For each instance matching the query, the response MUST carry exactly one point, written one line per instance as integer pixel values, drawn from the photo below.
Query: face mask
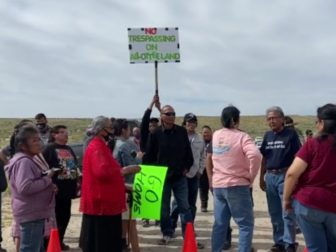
(41, 126)
(108, 136)
(111, 143)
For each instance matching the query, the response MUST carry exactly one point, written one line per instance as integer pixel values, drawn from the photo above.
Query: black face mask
(108, 136)
(111, 143)
(41, 126)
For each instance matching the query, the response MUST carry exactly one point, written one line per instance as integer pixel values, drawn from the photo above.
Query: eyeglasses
(169, 114)
(273, 118)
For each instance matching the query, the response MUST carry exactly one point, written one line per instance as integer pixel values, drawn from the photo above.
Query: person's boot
(204, 206)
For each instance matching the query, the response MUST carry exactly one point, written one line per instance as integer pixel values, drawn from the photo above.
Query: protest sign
(147, 192)
(148, 45)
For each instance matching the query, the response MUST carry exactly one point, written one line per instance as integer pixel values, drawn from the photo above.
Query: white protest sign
(148, 45)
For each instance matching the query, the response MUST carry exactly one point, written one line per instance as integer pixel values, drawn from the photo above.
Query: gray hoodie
(197, 147)
(32, 193)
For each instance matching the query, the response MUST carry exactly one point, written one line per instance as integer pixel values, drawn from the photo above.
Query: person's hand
(154, 100)
(210, 185)
(131, 169)
(140, 155)
(262, 183)
(157, 102)
(287, 205)
(129, 188)
(49, 173)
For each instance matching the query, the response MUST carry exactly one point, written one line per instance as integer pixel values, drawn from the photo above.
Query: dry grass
(254, 125)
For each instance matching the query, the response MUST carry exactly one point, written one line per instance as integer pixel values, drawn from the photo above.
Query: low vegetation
(254, 125)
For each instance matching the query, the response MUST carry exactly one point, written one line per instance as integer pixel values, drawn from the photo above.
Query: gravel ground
(262, 239)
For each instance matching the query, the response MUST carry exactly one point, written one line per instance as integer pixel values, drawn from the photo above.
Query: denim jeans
(193, 184)
(31, 234)
(235, 201)
(283, 222)
(318, 227)
(180, 189)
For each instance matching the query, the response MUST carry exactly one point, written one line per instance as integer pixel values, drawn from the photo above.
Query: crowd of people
(297, 175)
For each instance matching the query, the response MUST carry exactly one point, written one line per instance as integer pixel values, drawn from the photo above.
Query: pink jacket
(236, 159)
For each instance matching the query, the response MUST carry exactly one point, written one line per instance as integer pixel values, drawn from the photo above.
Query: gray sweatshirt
(197, 147)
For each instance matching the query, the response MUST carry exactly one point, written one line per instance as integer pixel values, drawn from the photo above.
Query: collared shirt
(171, 148)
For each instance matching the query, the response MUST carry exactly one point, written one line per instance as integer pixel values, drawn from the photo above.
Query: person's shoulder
(96, 141)
(243, 134)
(22, 158)
(217, 132)
(199, 137)
(48, 147)
(178, 127)
(268, 133)
(290, 131)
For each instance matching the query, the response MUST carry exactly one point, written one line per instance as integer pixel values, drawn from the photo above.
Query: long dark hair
(230, 117)
(327, 113)
(119, 125)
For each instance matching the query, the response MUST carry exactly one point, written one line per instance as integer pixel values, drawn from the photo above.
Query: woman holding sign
(101, 230)
(126, 154)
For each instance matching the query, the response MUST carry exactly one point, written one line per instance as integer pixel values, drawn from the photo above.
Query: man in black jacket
(169, 146)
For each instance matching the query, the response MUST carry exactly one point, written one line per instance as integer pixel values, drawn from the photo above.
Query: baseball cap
(190, 117)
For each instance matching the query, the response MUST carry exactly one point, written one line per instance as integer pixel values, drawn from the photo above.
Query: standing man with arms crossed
(169, 146)
(278, 148)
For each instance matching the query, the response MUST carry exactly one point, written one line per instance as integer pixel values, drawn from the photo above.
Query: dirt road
(262, 239)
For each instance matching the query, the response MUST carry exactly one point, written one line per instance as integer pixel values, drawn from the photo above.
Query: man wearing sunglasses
(169, 146)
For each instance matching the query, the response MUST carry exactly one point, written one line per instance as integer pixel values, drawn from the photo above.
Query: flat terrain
(262, 239)
(254, 125)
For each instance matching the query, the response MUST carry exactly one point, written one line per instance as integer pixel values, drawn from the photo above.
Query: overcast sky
(70, 58)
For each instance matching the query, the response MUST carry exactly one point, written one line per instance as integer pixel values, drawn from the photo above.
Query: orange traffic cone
(189, 244)
(305, 249)
(54, 241)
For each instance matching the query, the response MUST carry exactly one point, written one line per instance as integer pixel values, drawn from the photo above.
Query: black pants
(204, 190)
(63, 214)
(101, 233)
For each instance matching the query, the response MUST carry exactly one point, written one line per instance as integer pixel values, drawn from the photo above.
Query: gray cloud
(70, 58)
